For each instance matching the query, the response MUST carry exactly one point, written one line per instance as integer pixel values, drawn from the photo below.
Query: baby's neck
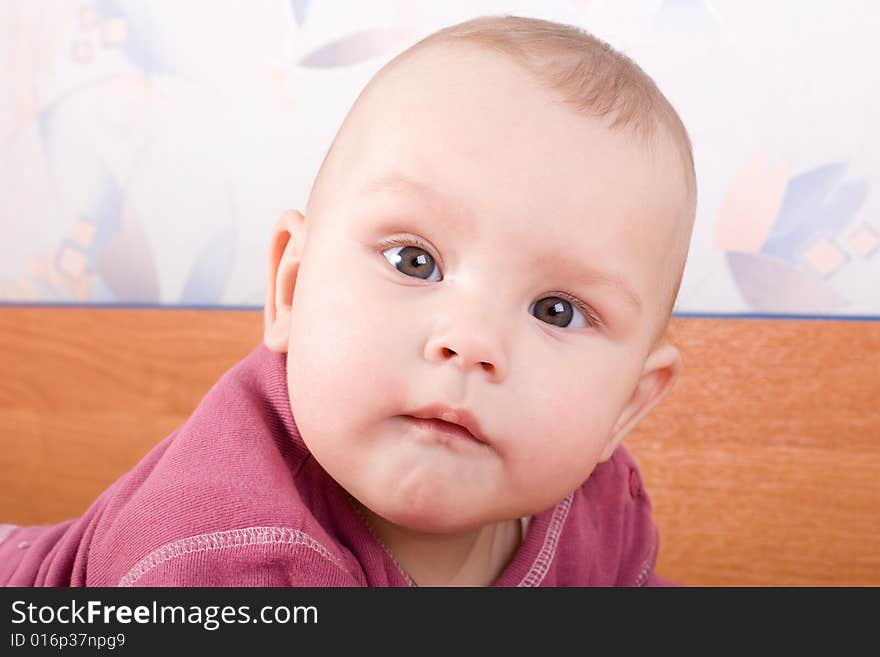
(474, 558)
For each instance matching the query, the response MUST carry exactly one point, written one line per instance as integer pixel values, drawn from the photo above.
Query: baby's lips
(460, 416)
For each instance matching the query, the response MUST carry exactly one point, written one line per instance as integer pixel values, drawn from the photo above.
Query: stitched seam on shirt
(648, 563)
(539, 568)
(6, 530)
(356, 506)
(224, 540)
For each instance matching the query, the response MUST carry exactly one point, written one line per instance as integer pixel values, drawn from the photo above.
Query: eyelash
(415, 241)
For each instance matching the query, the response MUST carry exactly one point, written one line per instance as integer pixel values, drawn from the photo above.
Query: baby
(459, 332)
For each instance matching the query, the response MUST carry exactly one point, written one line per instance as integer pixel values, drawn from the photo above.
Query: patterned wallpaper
(147, 146)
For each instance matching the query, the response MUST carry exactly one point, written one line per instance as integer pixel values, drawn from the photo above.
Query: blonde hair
(589, 75)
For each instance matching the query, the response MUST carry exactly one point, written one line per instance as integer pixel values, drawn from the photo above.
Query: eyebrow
(398, 182)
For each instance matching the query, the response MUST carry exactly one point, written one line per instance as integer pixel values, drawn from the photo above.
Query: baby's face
(479, 245)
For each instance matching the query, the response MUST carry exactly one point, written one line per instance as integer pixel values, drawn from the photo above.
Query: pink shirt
(233, 498)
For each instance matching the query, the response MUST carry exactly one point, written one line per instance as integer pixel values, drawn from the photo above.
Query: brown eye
(413, 261)
(558, 312)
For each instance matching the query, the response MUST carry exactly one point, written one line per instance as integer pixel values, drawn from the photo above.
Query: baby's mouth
(457, 423)
(438, 426)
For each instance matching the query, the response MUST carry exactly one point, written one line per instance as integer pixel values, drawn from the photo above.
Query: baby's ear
(285, 251)
(659, 375)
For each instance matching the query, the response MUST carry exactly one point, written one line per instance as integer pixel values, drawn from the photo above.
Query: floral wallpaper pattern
(147, 146)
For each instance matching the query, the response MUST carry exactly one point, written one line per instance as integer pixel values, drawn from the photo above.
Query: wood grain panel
(87, 392)
(763, 464)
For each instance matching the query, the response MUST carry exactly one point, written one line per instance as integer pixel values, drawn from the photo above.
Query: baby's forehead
(561, 242)
(435, 67)
(446, 136)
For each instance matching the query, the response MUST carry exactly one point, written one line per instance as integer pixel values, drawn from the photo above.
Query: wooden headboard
(763, 463)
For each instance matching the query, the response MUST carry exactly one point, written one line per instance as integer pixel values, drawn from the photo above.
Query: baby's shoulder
(614, 482)
(218, 507)
(225, 500)
(610, 519)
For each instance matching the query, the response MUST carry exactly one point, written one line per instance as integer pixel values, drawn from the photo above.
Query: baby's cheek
(562, 417)
(348, 354)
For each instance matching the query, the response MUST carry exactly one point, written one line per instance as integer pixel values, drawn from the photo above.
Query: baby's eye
(558, 312)
(413, 261)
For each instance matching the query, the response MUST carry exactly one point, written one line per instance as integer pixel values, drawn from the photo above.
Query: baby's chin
(427, 518)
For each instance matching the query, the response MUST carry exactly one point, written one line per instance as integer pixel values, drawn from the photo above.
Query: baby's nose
(470, 351)
(450, 354)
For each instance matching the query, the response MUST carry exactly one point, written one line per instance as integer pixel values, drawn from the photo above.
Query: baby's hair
(591, 75)
(593, 78)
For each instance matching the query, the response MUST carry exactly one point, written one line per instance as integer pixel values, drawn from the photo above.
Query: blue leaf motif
(300, 9)
(355, 48)
(812, 208)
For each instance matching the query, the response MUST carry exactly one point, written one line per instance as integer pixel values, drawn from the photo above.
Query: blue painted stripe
(121, 306)
(850, 318)
(154, 306)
